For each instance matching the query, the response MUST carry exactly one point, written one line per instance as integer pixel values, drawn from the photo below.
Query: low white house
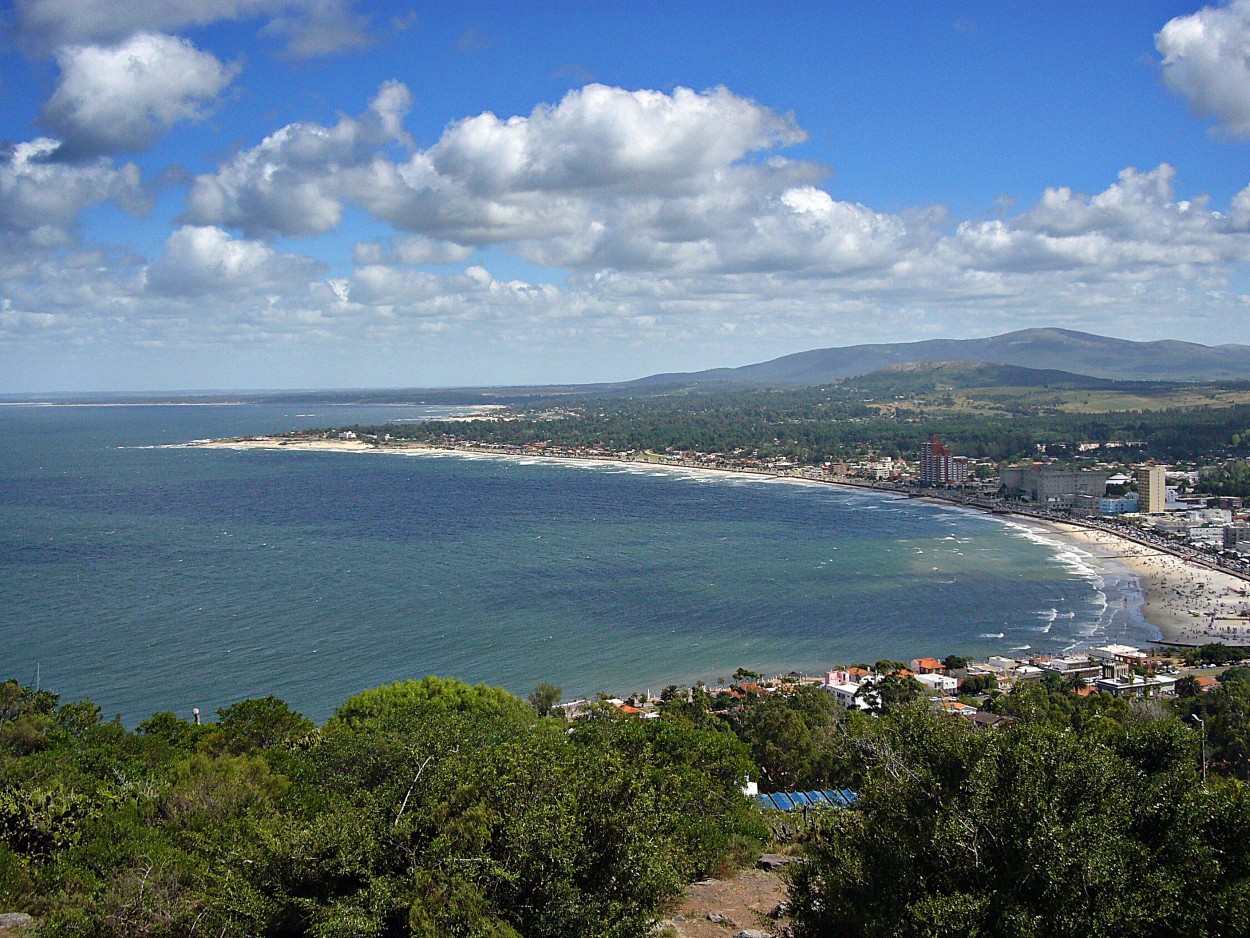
(845, 688)
(1077, 665)
(939, 683)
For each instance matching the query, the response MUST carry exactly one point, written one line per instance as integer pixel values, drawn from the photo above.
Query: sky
(257, 194)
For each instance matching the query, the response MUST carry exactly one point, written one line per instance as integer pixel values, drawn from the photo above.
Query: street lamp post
(1203, 723)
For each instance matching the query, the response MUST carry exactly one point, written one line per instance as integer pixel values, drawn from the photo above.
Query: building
(1075, 666)
(939, 467)
(1134, 685)
(955, 708)
(938, 683)
(1152, 489)
(1125, 654)
(846, 686)
(1237, 537)
(1123, 505)
(1051, 485)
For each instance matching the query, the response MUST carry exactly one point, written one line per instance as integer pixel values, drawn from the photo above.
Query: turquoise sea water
(149, 576)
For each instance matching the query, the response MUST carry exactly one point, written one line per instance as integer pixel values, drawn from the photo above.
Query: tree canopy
(427, 807)
(1026, 831)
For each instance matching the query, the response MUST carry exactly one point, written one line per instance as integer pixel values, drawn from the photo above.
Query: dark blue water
(150, 577)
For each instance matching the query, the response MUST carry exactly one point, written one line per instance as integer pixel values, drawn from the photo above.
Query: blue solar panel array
(797, 800)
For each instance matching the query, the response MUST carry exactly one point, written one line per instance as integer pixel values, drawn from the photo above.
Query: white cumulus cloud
(41, 197)
(682, 232)
(1206, 58)
(203, 261)
(115, 99)
(291, 182)
(604, 177)
(564, 168)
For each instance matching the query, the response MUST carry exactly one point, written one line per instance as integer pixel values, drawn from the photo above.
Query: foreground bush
(1035, 830)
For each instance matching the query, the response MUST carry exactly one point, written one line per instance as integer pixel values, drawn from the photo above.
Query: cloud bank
(646, 219)
(310, 27)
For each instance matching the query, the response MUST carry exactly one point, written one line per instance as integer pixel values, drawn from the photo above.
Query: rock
(779, 910)
(719, 919)
(773, 861)
(751, 933)
(16, 920)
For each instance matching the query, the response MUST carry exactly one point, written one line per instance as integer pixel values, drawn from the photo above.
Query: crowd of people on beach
(1193, 600)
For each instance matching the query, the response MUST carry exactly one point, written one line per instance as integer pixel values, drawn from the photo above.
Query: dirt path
(736, 904)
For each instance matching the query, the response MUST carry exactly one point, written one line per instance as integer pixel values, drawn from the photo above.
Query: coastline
(1188, 603)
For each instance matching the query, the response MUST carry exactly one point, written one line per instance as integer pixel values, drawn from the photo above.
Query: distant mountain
(1056, 349)
(924, 377)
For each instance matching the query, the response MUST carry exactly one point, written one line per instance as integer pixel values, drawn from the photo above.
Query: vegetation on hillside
(433, 808)
(426, 808)
(1028, 831)
(885, 414)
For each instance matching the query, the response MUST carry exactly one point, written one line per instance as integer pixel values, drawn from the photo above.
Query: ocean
(147, 575)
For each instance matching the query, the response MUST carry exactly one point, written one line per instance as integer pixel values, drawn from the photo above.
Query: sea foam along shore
(1188, 603)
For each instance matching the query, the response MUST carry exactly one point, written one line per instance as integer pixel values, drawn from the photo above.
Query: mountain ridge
(1043, 349)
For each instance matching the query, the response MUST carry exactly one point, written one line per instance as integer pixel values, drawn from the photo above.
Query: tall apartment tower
(1151, 489)
(938, 466)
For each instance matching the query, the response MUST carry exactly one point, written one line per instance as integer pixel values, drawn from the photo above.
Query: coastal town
(957, 686)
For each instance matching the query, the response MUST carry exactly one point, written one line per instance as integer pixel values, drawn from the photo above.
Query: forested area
(435, 808)
(1230, 478)
(836, 422)
(426, 808)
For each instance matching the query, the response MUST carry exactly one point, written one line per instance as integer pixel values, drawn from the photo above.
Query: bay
(151, 576)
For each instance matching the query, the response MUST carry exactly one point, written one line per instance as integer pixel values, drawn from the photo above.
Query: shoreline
(1190, 604)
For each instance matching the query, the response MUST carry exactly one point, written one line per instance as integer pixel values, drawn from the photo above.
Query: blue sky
(337, 193)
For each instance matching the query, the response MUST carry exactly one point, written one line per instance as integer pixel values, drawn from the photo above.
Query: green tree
(17, 700)
(173, 730)
(978, 684)
(544, 698)
(792, 737)
(454, 909)
(262, 723)
(414, 699)
(891, 691)
(1188, 686)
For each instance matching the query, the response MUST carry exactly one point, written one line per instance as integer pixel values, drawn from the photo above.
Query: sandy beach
(358, 446)
(1190, 604)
